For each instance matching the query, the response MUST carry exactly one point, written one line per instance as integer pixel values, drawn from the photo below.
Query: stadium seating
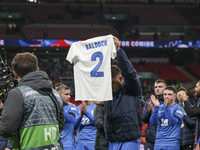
(67, 33)
(194, 68)
(163, 70)
(191, 14)
(197, 31)
(4, 35)
(169, 37)
(153, 15)
(50, 14)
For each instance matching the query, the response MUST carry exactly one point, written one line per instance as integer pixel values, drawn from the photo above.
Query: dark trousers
(190, 147)
(149, 146)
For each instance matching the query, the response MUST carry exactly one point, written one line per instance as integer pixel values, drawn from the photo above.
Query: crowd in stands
(91, 14)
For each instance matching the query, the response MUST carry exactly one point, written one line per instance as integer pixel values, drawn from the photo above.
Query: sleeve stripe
(177, 117)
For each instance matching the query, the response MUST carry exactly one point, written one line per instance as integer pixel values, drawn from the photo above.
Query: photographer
(32, 115)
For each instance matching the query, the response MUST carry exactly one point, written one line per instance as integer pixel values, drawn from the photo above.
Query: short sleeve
(71, 53)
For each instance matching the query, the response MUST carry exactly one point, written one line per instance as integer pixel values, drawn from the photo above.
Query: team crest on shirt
(180, 112)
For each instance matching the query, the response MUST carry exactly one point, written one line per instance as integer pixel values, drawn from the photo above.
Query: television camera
(7, 80)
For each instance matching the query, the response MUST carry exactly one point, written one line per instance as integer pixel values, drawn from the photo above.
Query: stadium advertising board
(123, 43)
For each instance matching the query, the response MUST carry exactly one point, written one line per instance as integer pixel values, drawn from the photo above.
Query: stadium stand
(191, 14)
(67, 33)
(164, 70)
(194, 68)
(153, 15)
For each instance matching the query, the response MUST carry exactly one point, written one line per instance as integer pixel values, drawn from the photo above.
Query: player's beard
(119, 86)
(197, 94)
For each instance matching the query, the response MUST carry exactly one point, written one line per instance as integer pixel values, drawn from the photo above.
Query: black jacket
(122, 114)
(12, 113)
(193, 112)
(101, 143)
(187, 131)
(150, 132)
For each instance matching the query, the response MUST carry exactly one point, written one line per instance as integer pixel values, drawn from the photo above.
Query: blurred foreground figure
(32, 114)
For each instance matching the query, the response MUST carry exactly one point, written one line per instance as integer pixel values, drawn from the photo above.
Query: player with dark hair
(150, 132)
(67, 135)
(168, 117)
(122, 122)
(188, 125)
(193, 111)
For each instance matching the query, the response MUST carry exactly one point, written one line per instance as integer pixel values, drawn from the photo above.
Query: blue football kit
(132, 145)
(67, 135)
(86, 129)
(169, 121)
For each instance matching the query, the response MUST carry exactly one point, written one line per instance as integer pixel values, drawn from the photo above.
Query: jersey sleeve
(173, 117)
(71, 53)
(114, 53)
(179, 113)
(154, 117)
(73, 109)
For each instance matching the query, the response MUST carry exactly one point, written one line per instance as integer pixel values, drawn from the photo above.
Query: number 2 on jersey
(94, 72)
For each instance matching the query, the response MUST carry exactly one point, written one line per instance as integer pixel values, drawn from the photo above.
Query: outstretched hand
(154, 100)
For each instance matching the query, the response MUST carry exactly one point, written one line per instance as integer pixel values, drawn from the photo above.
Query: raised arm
(146, 114)
(154, 117)
(90, 117)
(129, 73)
(191, 111)
(83, 109)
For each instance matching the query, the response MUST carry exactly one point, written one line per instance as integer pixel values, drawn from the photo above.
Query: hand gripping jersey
(92, 68)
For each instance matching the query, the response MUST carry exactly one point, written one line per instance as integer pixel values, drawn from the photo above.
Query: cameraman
(33, 112)
(4, 143)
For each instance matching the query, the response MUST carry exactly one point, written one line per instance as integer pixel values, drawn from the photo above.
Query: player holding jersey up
(67, 135)
(168, 117)
(86, 126)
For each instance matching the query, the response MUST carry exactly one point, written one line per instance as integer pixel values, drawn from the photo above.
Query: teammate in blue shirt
(86, 126)
(168, 117)
(67, 135)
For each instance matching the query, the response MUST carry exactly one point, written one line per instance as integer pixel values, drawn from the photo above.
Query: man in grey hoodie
(32, 115)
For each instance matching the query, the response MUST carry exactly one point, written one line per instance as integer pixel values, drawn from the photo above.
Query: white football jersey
(92, 68)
